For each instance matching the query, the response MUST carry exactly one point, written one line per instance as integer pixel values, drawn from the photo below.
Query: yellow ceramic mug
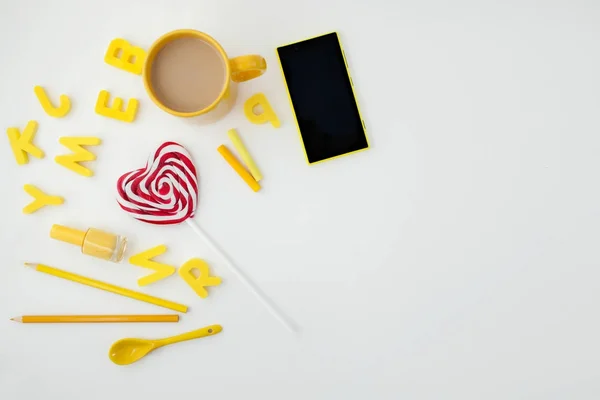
(188, 74)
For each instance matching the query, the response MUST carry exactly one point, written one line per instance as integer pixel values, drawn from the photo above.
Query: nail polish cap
(68, 235)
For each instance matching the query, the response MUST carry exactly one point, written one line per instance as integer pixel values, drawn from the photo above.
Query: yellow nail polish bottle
(94, 242)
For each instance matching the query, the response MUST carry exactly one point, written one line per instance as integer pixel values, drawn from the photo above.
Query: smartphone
(322, 96)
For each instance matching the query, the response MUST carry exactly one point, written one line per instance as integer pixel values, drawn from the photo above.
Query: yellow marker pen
(244, 154)
(238, 167)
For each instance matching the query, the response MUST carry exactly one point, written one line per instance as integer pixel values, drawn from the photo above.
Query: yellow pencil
(244, 154)
(238, 167)
(47, 319)
(108, 287)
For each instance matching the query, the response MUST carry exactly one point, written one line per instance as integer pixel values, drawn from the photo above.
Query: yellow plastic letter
(71, 161)
(115, 111)
(144, 259)
(268, 115)
(41, 199)
(57, 112)
(21, 143)
(123, 55)
(203, 279)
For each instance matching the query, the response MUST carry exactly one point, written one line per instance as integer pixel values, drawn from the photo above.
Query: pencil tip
(28, 264)
(16, 319)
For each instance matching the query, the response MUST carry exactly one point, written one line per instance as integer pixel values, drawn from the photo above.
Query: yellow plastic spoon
(128, 351)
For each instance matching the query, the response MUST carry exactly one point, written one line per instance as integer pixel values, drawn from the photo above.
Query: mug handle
(244, 68)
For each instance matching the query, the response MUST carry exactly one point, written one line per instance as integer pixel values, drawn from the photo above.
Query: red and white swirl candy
(165, 191)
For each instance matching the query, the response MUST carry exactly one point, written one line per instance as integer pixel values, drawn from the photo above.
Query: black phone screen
(321, 93)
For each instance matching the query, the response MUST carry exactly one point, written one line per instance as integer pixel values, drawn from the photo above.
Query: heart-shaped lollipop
(165, 191)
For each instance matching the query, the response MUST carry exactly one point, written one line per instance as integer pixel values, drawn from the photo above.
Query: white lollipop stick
(242, 277)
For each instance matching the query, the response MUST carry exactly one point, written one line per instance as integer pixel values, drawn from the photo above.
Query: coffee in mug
(187, 73)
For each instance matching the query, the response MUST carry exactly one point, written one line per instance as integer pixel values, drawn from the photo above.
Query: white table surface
(456, 259)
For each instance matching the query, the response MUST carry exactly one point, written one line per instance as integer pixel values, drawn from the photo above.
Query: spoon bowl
(129, 350)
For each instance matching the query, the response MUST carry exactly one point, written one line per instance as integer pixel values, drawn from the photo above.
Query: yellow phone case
(353, 94)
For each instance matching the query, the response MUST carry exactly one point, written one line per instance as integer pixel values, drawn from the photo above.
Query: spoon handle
(199, 333)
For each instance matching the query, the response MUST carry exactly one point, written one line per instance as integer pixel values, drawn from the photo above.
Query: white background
(456, 259)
